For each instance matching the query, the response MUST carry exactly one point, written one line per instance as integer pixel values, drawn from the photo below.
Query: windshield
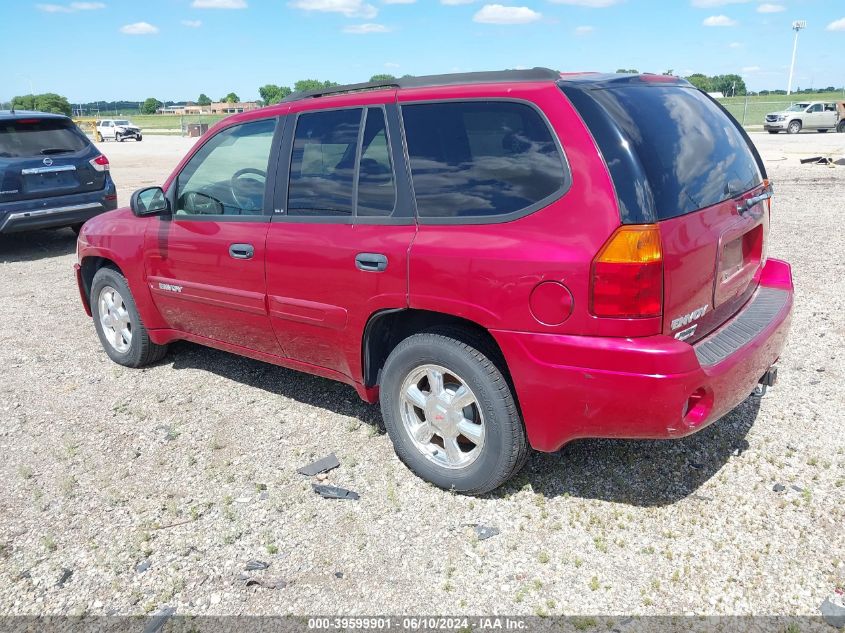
(797, 107)
(39, 137)
(122, 122)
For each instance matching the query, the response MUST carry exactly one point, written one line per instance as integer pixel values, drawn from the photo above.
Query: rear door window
(692, 153)
(20, 138)
(481, 158)
(322, 169)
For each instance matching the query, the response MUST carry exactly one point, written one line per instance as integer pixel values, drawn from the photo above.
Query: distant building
(220, 107)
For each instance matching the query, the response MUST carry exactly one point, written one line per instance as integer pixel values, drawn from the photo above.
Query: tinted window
(376, 191)
(323, 163)
(480, 158)
(693, 154)
(39, 137)
(227, 175)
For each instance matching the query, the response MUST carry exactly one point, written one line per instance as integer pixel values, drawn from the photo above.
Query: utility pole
(797, 26)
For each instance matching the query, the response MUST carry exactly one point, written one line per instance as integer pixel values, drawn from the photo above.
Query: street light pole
(797, 25)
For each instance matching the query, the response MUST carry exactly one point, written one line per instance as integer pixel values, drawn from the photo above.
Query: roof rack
(496, 76)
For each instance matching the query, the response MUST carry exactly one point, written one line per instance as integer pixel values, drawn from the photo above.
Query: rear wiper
(57, 150)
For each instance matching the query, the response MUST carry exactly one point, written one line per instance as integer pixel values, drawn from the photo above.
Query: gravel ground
(155, 487)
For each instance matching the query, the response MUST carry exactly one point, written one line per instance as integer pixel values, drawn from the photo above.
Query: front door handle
(371, 262)
(241, 251)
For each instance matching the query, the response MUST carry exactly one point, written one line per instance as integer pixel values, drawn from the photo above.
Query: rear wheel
(450, 413)
(118, 324)
(841, 127)
(794, 127)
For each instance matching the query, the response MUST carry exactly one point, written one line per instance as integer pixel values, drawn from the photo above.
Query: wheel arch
(385, 329)
(88, 268)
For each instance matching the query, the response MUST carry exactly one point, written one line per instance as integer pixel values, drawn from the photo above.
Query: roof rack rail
(496, 76)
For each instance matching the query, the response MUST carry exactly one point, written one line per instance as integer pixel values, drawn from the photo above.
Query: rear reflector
(627, 274)
(101, 163)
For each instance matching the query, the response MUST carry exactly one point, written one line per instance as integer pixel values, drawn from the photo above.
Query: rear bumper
(654, 387)
(57, 211)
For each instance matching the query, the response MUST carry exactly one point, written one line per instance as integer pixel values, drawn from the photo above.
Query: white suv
(117, 130)
(813, 115)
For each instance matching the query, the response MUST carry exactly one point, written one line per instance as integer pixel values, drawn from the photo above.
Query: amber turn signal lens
(633, 244)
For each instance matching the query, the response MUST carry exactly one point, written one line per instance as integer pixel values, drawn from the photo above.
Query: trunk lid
(680, 161)
(42, 157)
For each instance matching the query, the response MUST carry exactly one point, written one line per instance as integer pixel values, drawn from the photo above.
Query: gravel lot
(155, 487)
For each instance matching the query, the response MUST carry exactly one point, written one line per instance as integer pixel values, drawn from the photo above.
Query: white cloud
(751, 69)
(365, 29)
(719, 20)
(139, 28)
(399, 1)
(192, 24)
(456, 1)
(768, 7)
(836, 25)
(219, 4)
(70, 8)
(500, 14)
(348, 8)
(584, 30)
(593, 4)
(709, 4)
(391, 65)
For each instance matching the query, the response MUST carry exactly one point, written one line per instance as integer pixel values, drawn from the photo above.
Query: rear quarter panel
(486, 272)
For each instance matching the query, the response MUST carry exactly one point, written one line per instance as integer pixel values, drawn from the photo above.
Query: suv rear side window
(323, 163)
(693, 154)
(480, 158)
(39, 137)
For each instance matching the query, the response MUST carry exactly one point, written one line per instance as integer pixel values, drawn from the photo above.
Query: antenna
(797, 26)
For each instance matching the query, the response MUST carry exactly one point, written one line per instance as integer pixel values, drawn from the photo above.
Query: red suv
(504, 260)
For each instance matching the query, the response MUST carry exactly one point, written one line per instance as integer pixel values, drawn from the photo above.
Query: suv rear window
(39, 137)
(693, 154)
(484, 158)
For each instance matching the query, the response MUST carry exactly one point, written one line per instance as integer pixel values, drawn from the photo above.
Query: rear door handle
(371, 262)
(241, 251)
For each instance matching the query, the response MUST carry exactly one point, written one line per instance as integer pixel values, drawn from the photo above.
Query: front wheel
(450, 412)
(138, 138)
(118, 323)
(794, 127)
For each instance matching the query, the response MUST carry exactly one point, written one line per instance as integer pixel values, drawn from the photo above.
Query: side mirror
(150, 201)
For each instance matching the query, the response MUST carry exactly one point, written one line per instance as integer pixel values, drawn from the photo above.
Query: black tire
(142, 351)
(794, 127)
(841, 127)
(504, 450)
(138, 138)
(773, 131)
(118, 138)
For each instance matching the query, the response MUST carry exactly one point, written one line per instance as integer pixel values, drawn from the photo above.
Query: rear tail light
(627, 274)
(101, 163)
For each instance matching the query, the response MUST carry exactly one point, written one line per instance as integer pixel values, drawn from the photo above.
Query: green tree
(702, 82)
(729, 85)
(304, 85)
(231, 98)
(382, 77)
(203, 100)
(47, 102)
(150, 105)
(271, 93)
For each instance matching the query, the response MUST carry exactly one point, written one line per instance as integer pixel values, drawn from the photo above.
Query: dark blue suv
(51, 175)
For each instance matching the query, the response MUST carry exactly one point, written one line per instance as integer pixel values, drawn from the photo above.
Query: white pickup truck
(809, 115)
(117, 130)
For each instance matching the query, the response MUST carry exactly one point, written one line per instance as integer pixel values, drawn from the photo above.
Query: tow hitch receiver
(769, 379)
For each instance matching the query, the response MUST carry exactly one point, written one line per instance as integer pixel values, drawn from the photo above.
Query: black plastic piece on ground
(333, 492)
(322, 465)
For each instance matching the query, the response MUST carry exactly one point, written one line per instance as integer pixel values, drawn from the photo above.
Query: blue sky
(176, 49)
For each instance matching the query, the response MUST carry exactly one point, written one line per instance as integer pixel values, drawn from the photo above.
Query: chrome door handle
(371, 262)
(241, 251)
